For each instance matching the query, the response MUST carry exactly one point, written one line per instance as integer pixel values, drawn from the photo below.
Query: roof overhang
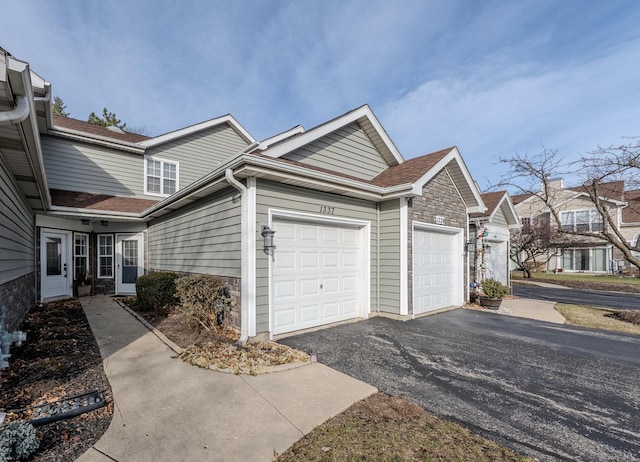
(461, 177)
(171, 136)
(21, 149)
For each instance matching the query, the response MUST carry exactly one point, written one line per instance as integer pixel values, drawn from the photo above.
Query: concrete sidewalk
(532, 309)
(165, 409)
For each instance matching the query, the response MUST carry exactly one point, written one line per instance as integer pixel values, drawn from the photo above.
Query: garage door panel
(331, 311)
(309, 313)
(285, 289)
(309, 260)
(309, 287)
(331, 259)
(323, 263)
(286, 260)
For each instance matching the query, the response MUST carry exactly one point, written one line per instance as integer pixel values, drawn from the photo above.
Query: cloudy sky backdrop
(491, 77)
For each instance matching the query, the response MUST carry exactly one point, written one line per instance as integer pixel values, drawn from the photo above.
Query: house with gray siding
(358, 229)
(490, 233)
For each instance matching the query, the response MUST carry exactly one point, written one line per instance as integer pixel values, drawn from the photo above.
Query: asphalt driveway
(554, 392)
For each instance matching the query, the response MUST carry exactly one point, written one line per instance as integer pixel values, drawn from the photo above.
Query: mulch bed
(60, 359)
(628, 316)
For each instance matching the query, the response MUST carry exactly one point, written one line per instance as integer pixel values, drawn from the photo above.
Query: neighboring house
(577, 212)
(489, 233)
(358, 229)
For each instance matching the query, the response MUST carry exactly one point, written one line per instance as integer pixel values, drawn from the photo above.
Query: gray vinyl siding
(347, 150)
(204, 237)
(75, 166)
(290, 198)
(17, 242)
(390, 256)
(201, 152)
(499, 218)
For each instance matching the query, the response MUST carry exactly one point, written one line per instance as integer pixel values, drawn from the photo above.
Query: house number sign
(439, 220)
(327, 210)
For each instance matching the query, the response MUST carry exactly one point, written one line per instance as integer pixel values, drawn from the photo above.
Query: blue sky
(491, 77)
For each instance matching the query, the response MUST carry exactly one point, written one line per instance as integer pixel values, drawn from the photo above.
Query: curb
(261, 370)
(176, 349)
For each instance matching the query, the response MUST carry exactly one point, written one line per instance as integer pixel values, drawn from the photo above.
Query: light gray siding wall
(499, 218)
(17, 250)
(201, 152)
(75, 166)
(283, 197)
(390, 256)
(204, 237)
(347, 150)
(17, 243)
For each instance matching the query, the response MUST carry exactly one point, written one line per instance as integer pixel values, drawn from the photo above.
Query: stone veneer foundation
(18, 296)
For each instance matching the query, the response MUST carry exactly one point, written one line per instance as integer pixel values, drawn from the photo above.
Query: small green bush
(204, 299)
(18, 440)
(493, 288)
(155, 290)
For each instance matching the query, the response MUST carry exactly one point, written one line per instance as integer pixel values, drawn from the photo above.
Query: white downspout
(17, 114)
(244, 276)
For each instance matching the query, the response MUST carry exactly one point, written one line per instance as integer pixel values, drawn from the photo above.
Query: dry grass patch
(597, 318)
(386, 428)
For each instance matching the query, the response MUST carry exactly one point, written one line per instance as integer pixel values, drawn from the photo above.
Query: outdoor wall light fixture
(471, 246)
(487, 249)
(267, 234)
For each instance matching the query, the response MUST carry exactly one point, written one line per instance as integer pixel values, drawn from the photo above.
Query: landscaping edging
(178, 350)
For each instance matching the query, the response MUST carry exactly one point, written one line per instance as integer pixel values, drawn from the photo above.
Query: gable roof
(363, 116)
(68, 123)
(611, 190)
(496, 201)
(420, 170)
(410, 170)
(174, 135)
(631, 213)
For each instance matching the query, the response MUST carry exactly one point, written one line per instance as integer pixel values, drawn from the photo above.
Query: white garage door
(436, 270)
(316, 276)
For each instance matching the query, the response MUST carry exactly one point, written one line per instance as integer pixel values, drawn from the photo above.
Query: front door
(129, 262)
(56, 273)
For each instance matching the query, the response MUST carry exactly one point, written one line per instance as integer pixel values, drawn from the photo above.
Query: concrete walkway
(165, 409)
(532, 309)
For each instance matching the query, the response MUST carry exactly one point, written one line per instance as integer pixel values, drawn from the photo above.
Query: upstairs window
(581, 221)
(161, 176)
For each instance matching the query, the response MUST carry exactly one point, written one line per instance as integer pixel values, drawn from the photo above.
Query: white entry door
(129, 263)
(437, 270)
(317, 275)
(56, 270)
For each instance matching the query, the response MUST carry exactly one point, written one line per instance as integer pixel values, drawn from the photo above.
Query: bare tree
(533, 175)
(534, 244)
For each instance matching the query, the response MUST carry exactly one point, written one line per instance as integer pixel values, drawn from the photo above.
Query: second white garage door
(437, 272)
(316, 276)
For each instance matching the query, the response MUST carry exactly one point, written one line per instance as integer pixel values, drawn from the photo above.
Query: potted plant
(83, 283)
(492, 293)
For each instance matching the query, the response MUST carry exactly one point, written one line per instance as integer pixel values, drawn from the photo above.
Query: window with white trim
(584, 259)
(581, 221)
(80, 256)
(161, 176)
(105, 255)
